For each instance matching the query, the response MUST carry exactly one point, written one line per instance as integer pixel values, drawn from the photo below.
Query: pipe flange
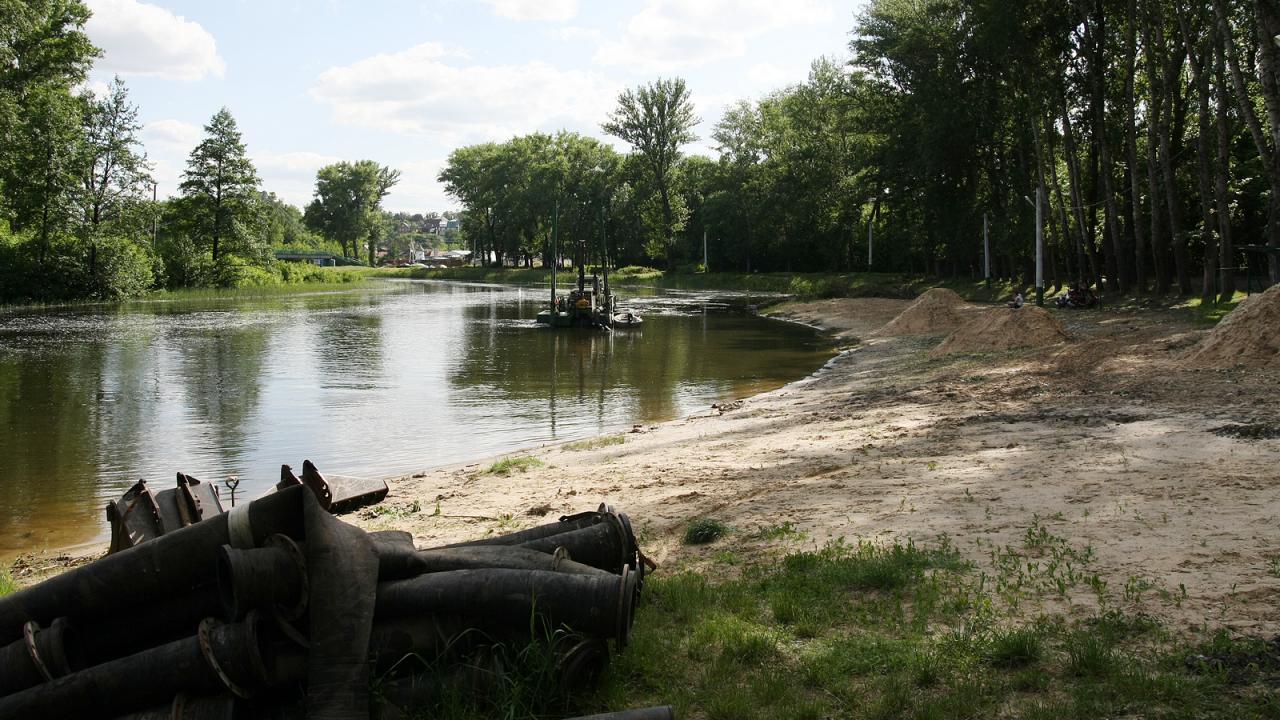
(29, 631)
(300, 560)
(560, 555)
(626, 591)
(205, 635)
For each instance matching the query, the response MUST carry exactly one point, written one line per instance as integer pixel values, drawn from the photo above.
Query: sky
(404, 83)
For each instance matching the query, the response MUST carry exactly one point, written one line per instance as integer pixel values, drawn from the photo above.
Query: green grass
(7, 583)
(873, 632)
(704, 530)
(595, 443)
(901, 631)
(506, 466)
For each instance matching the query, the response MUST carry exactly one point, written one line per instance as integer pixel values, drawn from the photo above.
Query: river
(385, 379)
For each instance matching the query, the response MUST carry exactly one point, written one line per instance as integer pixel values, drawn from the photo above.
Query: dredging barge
(589, 305)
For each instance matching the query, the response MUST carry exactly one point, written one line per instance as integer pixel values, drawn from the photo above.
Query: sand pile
(934, 313)
(1005, 329)
(1249, 335)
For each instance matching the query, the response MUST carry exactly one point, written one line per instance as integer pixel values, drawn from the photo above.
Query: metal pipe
(41, 655)
(596, 606)
(174, 563)
(568, 523)
(271, 577)
(221, 656)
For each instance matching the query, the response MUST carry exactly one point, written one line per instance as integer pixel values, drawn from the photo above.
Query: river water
(389, 378)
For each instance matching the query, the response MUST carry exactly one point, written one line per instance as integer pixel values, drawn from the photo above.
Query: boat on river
(588, 305)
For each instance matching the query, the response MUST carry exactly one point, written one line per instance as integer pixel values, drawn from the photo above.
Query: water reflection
(376, 381)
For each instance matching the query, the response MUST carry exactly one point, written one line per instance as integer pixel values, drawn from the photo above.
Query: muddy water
(382, 380)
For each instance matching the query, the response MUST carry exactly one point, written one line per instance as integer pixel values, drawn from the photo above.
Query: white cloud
(540, 10)
(143, 39)
(168, 143)
(421, 91)
(181, 135)
(672, 35)
(418, 190)
(291, 175)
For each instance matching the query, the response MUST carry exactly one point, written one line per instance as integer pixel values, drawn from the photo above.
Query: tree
(222, 186)
(115, 175)
(44, 53)
(657, 119)
(346, 204)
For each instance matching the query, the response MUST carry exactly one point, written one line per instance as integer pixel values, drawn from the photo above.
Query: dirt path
(1164, 482)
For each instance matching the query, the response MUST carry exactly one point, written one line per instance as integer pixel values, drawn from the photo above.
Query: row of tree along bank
(79, 215)
(1150, 128)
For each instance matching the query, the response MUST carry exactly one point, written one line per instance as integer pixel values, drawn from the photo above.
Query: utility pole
(705, 268)
(555, 252)
(986, 250)
(1040, 245)
(871, 224)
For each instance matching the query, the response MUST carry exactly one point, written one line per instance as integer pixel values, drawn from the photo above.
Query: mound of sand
(1004, 329)
(934, 313)
(1249, 335)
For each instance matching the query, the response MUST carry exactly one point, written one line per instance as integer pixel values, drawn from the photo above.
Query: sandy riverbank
(1106, 442)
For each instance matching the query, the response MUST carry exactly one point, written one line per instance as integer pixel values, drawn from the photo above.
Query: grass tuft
(506, 466)
(1013, 649)
(704, 530)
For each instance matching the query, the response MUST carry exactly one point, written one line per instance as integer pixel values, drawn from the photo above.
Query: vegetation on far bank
(819, 286)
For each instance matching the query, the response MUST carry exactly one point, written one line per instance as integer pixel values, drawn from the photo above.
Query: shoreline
(1102, 463)
(1102, 453)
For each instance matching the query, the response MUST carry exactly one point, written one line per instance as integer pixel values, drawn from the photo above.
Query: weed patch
(506, 466)
(704, 530)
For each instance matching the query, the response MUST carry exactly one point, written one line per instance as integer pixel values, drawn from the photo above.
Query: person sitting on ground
(1017, 301)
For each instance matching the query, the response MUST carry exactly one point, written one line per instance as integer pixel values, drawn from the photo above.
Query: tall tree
(347, 202)
(44, 54)
(657, 120)
(222, 186)
(115, 175)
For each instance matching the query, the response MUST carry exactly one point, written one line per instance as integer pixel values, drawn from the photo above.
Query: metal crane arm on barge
(586, 306)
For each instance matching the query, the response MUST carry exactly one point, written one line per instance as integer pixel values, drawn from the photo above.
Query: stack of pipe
(279, 610)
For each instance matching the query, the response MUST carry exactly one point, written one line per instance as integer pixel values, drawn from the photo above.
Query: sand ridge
(1248, 335)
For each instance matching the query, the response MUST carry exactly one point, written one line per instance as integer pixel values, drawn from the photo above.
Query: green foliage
(1015, 648)
(506, 466)
(221, 187)
(7, 584)
(913, 637)
(704, 530)
(346, 204)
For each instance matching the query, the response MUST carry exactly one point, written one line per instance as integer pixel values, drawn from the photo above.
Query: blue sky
(404, 83)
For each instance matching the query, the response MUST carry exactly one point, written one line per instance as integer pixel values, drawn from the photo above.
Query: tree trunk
(1139, 274)
(1226, 253)
(1115, 261)
(1155, 112)
(1077, 196)
(1197, 60)
(1268, 16)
